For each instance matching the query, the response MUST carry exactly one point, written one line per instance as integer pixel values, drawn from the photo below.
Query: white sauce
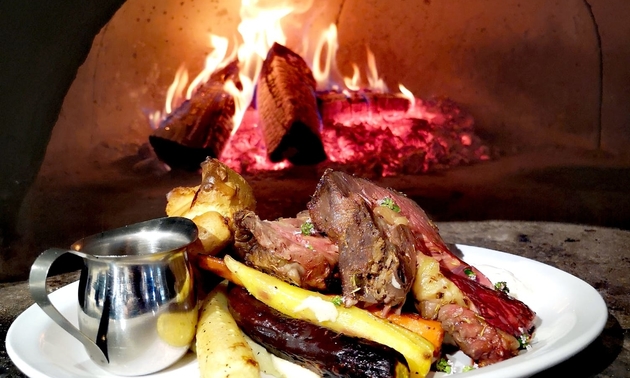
(323, 310)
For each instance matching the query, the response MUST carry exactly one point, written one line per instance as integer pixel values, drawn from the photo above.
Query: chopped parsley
(337, 301)
(443, 365)
(469, 272)
(389, 203)
(307, 228)
(502, 286)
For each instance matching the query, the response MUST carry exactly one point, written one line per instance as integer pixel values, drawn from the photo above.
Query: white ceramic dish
(570, 314)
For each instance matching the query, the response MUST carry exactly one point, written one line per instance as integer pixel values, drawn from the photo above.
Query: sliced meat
(281, 249)
(376, 248)
(427, 237)
(497, 308)
(501, 311)
(479, 340)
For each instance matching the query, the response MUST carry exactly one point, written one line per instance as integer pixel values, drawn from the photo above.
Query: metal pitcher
(137, 302)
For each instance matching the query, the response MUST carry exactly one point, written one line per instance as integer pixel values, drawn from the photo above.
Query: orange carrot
(429, 329)
(217, 266)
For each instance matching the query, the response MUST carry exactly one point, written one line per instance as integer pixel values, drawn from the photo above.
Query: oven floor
(551, 185)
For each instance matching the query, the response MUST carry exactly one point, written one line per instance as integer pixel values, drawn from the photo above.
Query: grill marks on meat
(484, 344)
(279, 248)
(376, 253)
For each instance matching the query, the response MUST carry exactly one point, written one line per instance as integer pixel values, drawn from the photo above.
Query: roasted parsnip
(222, 350)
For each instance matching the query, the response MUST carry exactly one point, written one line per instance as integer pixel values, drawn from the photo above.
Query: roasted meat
(502, 311)
(343, 207)
(376, 246)
(283, 249)
(483, 343)
(496, 307)
(426, 235)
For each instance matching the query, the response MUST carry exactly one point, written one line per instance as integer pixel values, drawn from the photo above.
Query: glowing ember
(364, 127)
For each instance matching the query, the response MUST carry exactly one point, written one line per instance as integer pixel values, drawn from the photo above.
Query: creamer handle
(39, 292)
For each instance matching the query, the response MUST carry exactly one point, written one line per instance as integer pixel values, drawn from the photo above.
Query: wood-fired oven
(545, 85)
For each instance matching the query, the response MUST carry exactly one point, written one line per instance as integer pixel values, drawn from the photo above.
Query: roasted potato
(432, 290)
(213, 203)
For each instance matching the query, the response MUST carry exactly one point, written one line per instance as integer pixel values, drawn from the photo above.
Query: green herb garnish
(390, 204)
(502, 286)
(307, 228)
(469, 272)
(337, 301)
(467, 368)
(443, 365)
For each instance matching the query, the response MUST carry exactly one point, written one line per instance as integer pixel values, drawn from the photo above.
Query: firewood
(288, 108)
(359, 106)
(199, 127)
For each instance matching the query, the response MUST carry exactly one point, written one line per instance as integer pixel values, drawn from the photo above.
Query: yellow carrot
(318, 308)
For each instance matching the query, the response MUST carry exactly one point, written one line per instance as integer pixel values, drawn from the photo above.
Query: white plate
(570, 314)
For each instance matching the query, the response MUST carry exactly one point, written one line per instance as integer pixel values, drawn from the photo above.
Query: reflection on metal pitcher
(137, 299)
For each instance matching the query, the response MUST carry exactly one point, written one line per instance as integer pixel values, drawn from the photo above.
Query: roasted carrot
(429, 329)
(217, 266)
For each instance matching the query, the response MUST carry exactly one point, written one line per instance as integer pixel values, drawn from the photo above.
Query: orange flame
(260, 28)
(376, 83)
(215, 60)
(175, 90)
(353, 82)
(406, 93)
(329, 41)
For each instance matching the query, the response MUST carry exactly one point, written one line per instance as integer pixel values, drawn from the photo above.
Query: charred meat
(287, 248)
(376, 246)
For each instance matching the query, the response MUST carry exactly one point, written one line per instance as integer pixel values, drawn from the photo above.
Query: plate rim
(543, 361)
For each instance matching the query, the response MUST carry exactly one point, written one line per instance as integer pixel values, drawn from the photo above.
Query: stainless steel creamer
(137, 302)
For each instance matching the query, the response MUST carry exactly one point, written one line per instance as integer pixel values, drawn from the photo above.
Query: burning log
(199, 127)
(287, 108)
(360, 106)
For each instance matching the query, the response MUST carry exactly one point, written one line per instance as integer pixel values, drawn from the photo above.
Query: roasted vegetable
(318, 309)
(222, 350)
(212, 204)
(429, 329)
(316, 348)
(432, 290)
